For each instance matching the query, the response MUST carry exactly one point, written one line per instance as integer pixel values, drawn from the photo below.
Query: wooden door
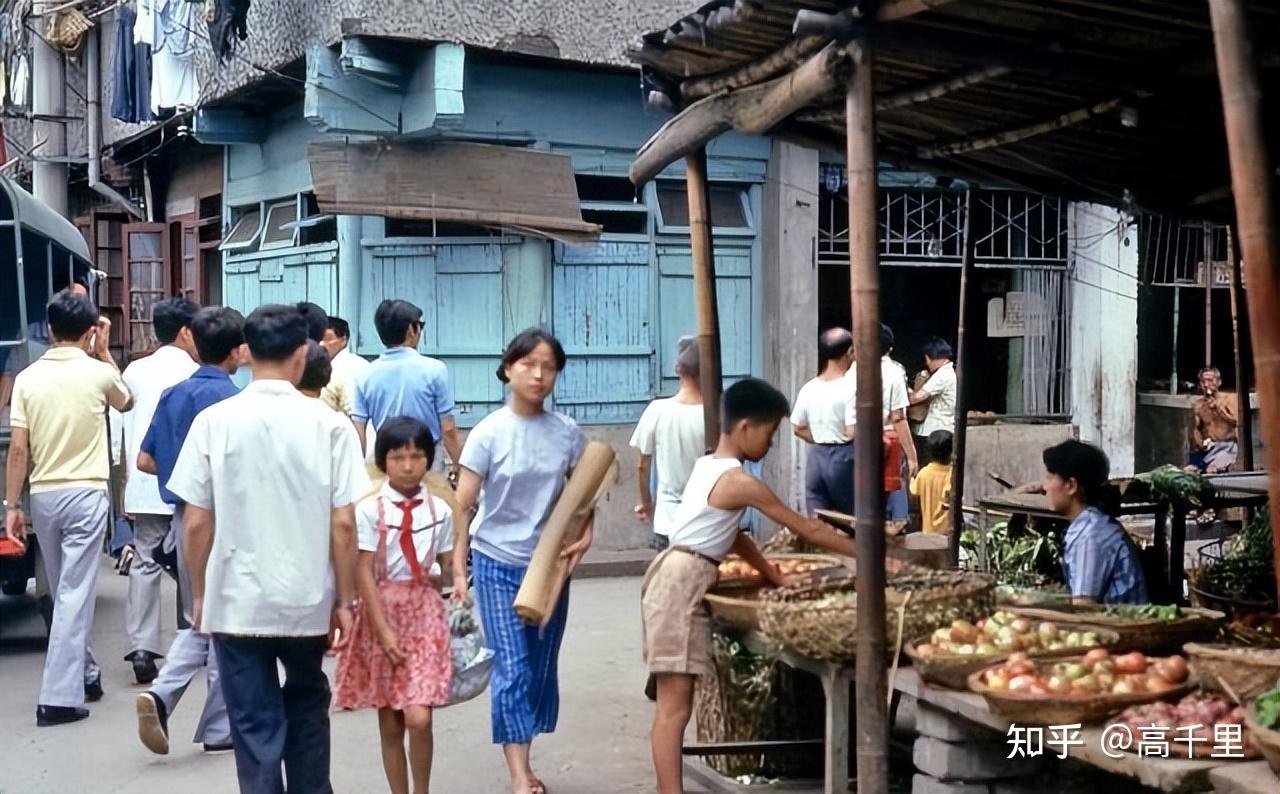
(144, 255)
(108, 256)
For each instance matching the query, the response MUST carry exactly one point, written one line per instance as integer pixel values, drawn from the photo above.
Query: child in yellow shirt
(933, 485)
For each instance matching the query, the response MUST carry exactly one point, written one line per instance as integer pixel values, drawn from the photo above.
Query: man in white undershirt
(818, 418)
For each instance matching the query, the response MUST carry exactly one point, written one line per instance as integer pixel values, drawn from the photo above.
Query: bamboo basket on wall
(1242, 673)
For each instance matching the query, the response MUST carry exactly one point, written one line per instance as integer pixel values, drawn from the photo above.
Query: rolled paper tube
(544, 578)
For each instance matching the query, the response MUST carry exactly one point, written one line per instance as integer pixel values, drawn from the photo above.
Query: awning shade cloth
(450, 181)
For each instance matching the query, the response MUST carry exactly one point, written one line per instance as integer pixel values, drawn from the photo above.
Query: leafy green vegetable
(1269, 709)
(1144, 611)
(1020, 558)
(1247, 567)
(1181, 487)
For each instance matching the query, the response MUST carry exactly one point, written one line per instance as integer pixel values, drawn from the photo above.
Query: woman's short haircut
(217, 330)
(318, 371)
(937, 348)
(525, 343)
(170, 316)
(70, 316)
(1084, 463)
(754, 400)
(392, 320)
(399, 432)
(687, 360)
(274, 332)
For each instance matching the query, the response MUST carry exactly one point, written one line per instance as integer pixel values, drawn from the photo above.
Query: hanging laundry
(228, 22)
(131, 72)
(173, 63)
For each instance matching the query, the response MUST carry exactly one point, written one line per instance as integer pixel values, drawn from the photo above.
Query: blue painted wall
(618, 304)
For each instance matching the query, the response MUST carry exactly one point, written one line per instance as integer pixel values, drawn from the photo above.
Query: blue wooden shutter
(678, 316)
(600, 295)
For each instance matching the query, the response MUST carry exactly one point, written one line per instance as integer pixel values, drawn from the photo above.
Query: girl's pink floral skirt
(365, 676)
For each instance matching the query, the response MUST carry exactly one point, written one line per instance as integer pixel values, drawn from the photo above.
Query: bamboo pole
(1208, 294)
(704, 292)
(1239, 338)
(870, 674)
(961, 431)
(1255, 219)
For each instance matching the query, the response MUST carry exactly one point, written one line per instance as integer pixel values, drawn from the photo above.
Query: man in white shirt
(938, 392)
(147, 378)
(893, 390)
(269, 479)
(672, 432)
(818, 418)
(347, 366)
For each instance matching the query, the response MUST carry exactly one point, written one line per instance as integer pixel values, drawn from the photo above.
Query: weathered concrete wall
(790, 223)
(1104, 332)
(1012, 451)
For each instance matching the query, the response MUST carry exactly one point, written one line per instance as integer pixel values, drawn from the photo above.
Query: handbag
(472, 659)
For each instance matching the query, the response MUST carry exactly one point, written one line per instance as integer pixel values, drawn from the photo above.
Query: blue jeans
(278, 731)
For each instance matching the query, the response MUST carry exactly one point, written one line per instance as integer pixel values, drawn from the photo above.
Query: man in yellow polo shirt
(59, 428)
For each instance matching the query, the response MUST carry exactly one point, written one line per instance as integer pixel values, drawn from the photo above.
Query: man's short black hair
(393, 318)
(937, 348)
(1084, 463)
(218, 331)
(754, 400)
(70, 315)
(316, 318)
(340, 327)
(318, 371)
(399, 432)
(833, 343)
(886, 339)
(940, 442)
(170, 316)
(274, 332)
(525, 343)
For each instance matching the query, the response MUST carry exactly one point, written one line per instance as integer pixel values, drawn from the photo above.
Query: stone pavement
(601, 745)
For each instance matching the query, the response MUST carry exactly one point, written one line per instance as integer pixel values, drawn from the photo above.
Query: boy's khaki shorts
(677, 625)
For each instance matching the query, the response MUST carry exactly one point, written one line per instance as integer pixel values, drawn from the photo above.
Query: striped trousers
(524, 690)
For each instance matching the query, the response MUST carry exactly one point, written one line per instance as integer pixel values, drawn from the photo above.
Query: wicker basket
(737, 609)
(1148, 636)
(953, 670)
(1039, 710)
(1266, 740)
(831, 566)
(820, 621)
(1242, 673)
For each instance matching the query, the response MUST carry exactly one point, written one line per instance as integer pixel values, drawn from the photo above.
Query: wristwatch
(7, 505)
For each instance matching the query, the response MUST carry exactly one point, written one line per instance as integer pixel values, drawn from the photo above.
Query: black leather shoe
(219, 748)
(153, 723)
(93, 689)
(47, 716)
(144, 667)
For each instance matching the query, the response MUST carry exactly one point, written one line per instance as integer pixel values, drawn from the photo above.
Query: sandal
(536, 786)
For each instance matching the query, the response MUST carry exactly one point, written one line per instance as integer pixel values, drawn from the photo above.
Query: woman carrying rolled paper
(514, 466)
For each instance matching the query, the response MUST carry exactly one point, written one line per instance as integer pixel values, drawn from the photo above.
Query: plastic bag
(472, 660)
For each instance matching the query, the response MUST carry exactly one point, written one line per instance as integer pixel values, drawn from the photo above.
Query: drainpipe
(93, 121)
(49, 127)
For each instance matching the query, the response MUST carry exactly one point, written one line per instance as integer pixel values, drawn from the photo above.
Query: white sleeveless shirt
(698, 526)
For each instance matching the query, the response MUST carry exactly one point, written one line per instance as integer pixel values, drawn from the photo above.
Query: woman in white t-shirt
(514, 466)
(672, 433)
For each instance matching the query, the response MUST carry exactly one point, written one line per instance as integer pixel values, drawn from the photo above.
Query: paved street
(601, 746)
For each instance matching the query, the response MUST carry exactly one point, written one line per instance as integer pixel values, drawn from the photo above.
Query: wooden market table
(1173, 775)
(1170, 524)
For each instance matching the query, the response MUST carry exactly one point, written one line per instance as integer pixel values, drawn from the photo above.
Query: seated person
(1099, 560)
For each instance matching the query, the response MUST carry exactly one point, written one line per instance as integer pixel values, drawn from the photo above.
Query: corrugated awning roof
(1082, 98)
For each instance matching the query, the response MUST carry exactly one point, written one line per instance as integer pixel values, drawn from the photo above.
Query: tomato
(1133, 662)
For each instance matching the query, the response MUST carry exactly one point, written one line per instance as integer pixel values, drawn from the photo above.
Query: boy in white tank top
(677, 626)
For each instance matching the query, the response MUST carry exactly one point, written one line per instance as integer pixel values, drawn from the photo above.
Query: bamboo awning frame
(734, 64)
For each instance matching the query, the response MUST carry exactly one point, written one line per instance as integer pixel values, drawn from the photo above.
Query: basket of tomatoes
(1082, 689)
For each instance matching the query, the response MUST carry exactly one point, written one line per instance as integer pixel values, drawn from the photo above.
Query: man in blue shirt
(403, 383)
(219, 338)
(1100, 561)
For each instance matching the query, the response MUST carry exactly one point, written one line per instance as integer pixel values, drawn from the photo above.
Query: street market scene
(483, 398)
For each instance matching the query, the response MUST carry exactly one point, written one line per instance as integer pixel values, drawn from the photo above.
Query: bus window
(10, 323)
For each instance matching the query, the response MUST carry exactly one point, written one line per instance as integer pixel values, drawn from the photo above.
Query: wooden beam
(753, 110)
(704, 293)
(771, 65)
(1255, 218)
(864, 277)
(901, 9)
(1006, 137)
(933, 89)
(1239, 340)
(960, 433)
